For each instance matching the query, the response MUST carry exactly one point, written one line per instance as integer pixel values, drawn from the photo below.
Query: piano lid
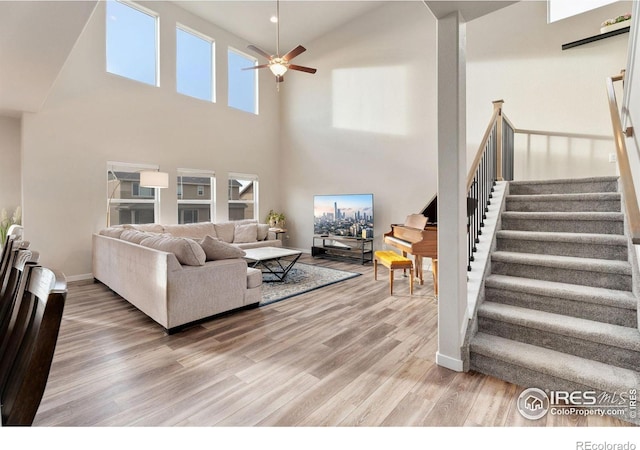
(431, 210)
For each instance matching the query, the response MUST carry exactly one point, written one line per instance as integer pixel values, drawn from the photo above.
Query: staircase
(558, 310)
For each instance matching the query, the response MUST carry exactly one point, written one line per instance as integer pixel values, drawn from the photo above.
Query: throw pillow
(225, 230)
(135, 236)
(113, 232)
(216, 249)
(191, 230)
(263, 231)
(246, 233)
(187, 251)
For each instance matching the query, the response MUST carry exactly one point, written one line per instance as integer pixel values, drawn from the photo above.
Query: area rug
(302, 278)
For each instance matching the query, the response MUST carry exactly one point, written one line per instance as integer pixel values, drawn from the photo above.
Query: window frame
(118, 166)
(156, 18)
(212, 44)
(183, 172)
(256, 91)
(256, 185)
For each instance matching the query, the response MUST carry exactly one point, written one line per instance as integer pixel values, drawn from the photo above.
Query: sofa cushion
(263, 231)
(187, 251)
(150, 227)
(113, 232)
(254, 278)
(246, 233)
(135, 236)
(225, 231)
(216, 249)
(191, 230)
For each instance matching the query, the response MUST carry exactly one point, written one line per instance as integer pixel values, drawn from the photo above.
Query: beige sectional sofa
(181, 274)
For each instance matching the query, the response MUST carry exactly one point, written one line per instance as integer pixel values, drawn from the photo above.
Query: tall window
(132, 38)
(196, 196)
(243, 84)
(243, 196)
(195, 64)
(127, 201)
(561, 9)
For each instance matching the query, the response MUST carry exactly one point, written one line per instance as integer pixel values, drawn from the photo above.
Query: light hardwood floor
(344, 355)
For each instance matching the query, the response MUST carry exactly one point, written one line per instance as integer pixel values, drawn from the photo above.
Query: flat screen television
(347, 215)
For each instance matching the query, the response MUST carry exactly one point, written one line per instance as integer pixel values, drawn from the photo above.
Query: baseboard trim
(81, 277)
(449, 362)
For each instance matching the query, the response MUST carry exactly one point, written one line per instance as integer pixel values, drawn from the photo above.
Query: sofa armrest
(198, 292)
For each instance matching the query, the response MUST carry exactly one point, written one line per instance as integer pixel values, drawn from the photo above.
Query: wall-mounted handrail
(626, 177)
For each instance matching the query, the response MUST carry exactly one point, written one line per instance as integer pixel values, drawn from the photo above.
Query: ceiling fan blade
(259, 51)
(293, 53)
(261, 66)
(302, 68)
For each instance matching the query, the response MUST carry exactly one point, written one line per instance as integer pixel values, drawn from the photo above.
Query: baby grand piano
(418, 236)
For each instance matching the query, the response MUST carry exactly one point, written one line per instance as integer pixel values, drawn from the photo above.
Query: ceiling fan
(279, 64)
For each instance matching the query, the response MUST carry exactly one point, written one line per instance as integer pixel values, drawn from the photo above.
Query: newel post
(497, 105)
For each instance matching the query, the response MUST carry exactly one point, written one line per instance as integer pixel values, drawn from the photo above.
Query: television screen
(349, 215)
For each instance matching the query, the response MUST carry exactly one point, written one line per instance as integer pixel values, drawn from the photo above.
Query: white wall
(92, 117)
(514, 55)
(10, 180)
(366, 121)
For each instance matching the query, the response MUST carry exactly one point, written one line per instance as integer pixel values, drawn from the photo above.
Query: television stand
(355, 249)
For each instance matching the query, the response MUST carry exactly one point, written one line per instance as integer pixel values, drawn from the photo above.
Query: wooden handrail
(497, 111)
(626, 178)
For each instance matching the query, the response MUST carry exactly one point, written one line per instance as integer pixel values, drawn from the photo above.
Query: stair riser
(526, 378)
(611, 252)
(563, 226)
(591, 311)
(564, 206)
(595, 351)
(564, 188)
(572, 276)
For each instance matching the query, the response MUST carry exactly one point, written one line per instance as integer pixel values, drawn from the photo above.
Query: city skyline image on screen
(343, 215)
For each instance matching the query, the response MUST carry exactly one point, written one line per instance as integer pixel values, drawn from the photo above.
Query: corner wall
(10, 180)
(365, 122)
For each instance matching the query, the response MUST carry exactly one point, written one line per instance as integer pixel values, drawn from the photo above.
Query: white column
(452, 220)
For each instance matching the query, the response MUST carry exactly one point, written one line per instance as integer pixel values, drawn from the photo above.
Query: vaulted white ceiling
(36, 37)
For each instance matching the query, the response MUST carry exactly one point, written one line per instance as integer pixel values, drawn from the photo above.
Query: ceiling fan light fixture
(278, 69)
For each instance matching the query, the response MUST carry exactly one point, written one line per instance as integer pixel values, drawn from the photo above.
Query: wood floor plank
(347, 354)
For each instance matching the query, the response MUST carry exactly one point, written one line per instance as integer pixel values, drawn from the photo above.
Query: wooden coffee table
(275, 262)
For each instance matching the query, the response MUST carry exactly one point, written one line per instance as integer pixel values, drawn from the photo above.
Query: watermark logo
(533, 403)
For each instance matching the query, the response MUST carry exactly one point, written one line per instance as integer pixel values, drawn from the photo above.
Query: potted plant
(615, 24)
(6, 222)
(275, 219)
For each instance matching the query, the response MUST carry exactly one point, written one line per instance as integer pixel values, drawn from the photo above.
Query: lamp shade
(154, 179)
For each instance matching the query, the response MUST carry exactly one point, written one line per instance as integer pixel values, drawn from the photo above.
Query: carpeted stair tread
(554, 236)
(578, 185)
(564, 262)
(576, 292)
(588, 330)
(556, 364)
(587, 196)
(561, 215)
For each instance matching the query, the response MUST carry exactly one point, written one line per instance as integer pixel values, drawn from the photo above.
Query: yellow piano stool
(392, 261)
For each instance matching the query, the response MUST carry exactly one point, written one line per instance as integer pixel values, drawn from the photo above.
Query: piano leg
(418, 270)
(434, 269)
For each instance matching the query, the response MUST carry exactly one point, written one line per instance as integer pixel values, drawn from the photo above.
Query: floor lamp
(148, 179)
